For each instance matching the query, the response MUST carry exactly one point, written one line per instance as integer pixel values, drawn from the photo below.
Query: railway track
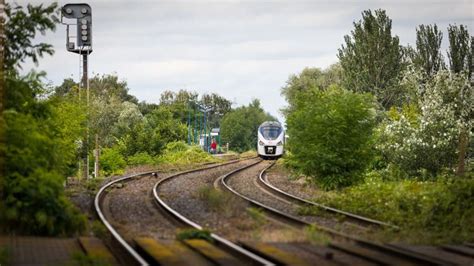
(146, 251)
(373, 252)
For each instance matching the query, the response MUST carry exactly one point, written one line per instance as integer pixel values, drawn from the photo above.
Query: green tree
(425, 138)
(39, 147)
(371, 58)
(21, 28)
(460, 61)
(310, 78)
(239, 127)
(459, 49)
(108, 86)
(330, 135)
(218, 105)
(157, 129)
(428, 49)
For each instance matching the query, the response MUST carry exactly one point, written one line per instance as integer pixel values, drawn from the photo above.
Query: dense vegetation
(44, 130)
(40, 147)
(406, 157)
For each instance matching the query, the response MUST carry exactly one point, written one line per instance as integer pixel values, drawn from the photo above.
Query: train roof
(270, 123)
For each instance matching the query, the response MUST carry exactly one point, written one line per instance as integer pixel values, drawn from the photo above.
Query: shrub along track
(247, 187)
(127, 208)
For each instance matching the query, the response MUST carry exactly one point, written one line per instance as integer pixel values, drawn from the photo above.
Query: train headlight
(260, 143)
(280, 143)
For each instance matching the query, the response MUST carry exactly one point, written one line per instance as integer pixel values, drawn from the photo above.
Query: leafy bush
(141, 158)
(331, 133)
(438, 211)
(112, 162)
(176, 146)
(191, 155)
(33, 197)
(424, 136)
(37, 204)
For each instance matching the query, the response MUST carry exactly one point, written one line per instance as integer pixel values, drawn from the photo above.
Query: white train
(271, 139)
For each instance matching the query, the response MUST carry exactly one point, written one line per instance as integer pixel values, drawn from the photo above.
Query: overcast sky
(238, 49)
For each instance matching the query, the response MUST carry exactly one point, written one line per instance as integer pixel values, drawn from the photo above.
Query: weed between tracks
(194, 234)
(214, 199)
(315, 236)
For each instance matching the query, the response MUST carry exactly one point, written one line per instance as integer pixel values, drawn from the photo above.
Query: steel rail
(226, 243)
(139, 259)
(100, 194)
(262, 178)
(302, 223)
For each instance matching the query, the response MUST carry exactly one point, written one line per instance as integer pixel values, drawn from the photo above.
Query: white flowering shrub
(424, 134)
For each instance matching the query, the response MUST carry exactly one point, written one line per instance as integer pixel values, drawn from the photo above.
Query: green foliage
(257, 215)
(315, 236)
(81, 259)
(109, 86)
(309, 79)
(459, 52)
(112, 162)
(176, 146)
(93, 184)
(219, 106)
(36, 203)
(157, 129)
(435, 212)
(330, 135)
(36, 161)
(428, 55)
(175, 155)
(99, 229)
(20, 30)
(424, 136)
(195, 234)
(215, 199)
(40, 148)
(372, 58)
(141, 158)
(239, 127)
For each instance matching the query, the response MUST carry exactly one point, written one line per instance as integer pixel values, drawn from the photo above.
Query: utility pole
(81, 44)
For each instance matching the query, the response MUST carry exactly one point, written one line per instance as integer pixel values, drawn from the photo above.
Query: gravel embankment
(230, 217)
(131, 209)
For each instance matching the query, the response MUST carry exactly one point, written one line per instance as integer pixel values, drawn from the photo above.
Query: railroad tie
(274, 254)
(95, 248)
(211, 252)
(157, 252)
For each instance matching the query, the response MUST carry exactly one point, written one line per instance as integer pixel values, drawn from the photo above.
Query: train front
(271, 139)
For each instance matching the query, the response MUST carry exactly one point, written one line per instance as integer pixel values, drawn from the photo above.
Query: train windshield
(270, 132)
